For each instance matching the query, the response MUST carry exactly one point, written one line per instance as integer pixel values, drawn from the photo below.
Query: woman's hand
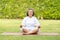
(37, 26)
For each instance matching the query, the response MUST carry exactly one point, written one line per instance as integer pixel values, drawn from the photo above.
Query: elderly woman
(30, 24)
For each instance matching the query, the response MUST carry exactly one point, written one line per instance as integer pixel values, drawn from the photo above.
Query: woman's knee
(37, 28)
(25, 30)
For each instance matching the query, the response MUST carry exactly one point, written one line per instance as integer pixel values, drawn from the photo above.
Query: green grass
(50, 26)
(12, 25)
(29, 37)
(9, 25)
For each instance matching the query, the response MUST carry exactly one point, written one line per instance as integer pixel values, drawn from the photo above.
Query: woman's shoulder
(25, 17)
(34, 17)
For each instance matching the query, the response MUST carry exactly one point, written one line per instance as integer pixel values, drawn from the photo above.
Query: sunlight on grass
(50, 25)
(12, 25)
(29, 37)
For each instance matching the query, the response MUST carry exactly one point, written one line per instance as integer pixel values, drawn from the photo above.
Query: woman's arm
(37, 23)
(23, 23)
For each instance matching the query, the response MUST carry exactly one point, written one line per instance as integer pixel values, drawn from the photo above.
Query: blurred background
(13, 11)
(16, 9)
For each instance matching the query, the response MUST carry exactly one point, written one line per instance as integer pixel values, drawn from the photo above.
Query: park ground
(12, 25)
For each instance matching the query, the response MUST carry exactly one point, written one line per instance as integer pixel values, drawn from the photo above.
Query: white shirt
(30, 23)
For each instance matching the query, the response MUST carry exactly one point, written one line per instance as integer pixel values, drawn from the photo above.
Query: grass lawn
(29, 37)
(12, 25)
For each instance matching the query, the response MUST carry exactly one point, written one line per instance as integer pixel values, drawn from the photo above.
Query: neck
(30, 16)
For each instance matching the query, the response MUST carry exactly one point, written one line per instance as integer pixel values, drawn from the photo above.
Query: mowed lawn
(12, 25)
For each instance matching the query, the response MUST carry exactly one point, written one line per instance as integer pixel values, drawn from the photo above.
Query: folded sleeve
(37, 22)
(23, 22)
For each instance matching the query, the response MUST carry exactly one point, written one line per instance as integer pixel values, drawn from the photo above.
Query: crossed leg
(34, 31)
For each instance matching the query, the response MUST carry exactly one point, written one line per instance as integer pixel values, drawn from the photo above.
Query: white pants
(29, 28)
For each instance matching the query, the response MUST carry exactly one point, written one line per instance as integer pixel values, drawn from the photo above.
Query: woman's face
(30, 13)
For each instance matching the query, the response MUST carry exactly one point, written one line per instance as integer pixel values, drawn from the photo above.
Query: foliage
(48, 9)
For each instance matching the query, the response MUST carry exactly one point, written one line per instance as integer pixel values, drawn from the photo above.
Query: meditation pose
(30, 24)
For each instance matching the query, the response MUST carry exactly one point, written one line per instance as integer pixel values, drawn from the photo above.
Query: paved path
(41, 33)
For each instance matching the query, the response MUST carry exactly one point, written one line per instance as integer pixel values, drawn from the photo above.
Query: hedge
(12, 9)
